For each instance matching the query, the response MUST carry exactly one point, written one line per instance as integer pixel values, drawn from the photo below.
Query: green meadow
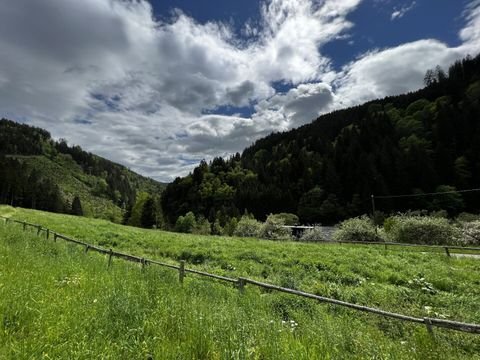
(58, 302)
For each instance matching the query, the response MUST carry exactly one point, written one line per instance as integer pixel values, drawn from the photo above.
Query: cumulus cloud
(392, 71)
(400, 69)
(109, 76)
(298, 106)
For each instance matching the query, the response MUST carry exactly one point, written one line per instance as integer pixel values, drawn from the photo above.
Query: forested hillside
(420, 142)
(38, 172)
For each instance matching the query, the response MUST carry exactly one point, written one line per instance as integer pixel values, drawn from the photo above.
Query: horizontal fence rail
(445, 248)
(242, 282)
(454, 247)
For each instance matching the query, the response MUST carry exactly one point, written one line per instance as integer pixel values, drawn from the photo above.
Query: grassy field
(58, 302)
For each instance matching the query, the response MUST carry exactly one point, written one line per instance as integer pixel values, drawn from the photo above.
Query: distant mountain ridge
(39, 172)
(325, 171)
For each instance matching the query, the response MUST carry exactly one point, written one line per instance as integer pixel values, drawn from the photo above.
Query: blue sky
(160, 85)
(439, 19)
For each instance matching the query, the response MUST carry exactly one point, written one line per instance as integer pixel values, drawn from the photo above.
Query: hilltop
(41, 173)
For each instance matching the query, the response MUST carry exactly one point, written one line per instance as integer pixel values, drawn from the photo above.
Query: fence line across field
(242, 282)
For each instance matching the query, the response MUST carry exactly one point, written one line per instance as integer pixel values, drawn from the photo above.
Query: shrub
(274, 229)
(288, 219)
(248, 227)
(420, 230)
(230, 227)
(217, 228)
(467, 217)
(315, 234)
(357, 229)
(470, 234)
(203, 227)
(186, 224)
(439, 214)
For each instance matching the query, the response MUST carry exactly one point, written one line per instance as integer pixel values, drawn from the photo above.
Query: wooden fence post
(143, 262)
(55, 237)
(110, 255)
(428, 324)
(241, 285)
(48, 233)
(24, 225)
(447, 252)
(181, 271)
(39, 228)
(87, 248)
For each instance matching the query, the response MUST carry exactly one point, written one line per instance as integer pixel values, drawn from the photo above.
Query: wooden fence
(242, 282)
(386, 244)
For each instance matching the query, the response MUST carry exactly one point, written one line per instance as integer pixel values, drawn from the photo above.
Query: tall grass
(58, 302)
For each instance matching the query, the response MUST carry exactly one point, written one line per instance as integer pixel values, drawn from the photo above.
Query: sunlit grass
(57, 300)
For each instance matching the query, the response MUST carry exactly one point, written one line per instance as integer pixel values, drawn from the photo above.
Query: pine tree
(148, 218)
(77, 207)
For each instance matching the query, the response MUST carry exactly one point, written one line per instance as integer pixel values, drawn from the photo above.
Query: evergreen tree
(309, 206)
(148, 217)
(77, 206)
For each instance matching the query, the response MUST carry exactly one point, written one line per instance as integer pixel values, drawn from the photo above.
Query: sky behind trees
(160, 85)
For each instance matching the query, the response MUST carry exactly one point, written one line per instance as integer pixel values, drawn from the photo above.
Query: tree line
(31, 186)
(326, 171)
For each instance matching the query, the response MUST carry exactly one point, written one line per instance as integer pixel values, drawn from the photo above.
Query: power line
(424, 194)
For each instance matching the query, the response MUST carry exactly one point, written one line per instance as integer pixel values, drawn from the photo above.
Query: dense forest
(421, 142)
(40, 173)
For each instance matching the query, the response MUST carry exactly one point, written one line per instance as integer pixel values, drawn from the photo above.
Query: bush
(230, 227)
(217, 228)
(467, 217)
(470, 234)
(274, 229)
(288, 219)
(420, 230)
(186, 224)
(248, 227)
(203, 227)
(357, 229)
(439, 214)
(315, 234)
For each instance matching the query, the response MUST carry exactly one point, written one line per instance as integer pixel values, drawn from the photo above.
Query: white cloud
(298, 106)
(400, 69)
(398, 13)
(470, 34)
(391, 71)
(107, 75)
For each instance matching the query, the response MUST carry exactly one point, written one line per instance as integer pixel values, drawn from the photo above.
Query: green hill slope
(57, 301)
(421, 142)
(32, 164)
